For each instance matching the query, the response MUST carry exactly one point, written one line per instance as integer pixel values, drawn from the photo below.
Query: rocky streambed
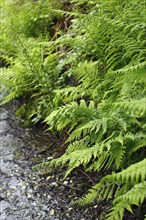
(27, 195)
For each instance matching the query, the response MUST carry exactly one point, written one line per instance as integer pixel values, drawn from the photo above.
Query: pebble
(9, 194)
(38, 195)
(65, 182)
(17, 171)
(49, 197)
(49, 177)
(49, 158)
(54, 184)
(23, 187)
(29, 196)
(70, 209)
(52, 212)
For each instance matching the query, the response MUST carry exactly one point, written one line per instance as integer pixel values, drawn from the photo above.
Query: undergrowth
(80, 67)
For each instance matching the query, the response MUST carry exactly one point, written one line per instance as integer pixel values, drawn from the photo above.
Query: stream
(22, 195)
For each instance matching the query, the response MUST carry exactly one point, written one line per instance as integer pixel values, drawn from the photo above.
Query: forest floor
(43, 195)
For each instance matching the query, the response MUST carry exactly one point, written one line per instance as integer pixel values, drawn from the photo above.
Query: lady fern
(88, 80)
(134, 192)
(115, 125)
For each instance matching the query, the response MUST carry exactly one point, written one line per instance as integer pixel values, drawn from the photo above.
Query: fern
(134, 179)
(82, 70)
(64, 115)
(135, 108)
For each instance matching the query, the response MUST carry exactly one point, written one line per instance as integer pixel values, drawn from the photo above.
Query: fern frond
(131, 176)
(131, 68)
(135, 108)
(88, 128)
(79, 144)
(117, 212)
(69, 94)
(135, 195)
(137, 145)
(70, 114)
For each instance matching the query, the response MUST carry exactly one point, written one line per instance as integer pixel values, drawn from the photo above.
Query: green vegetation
(80, 67)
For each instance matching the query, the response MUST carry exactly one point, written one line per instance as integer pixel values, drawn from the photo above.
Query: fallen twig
(71, 187)
(87, 176)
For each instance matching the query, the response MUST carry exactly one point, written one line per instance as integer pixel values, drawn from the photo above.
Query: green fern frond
(80, 153)
(135, 108)
(111, 153)
(69, 94)
(133, 136)
(135, 195)
(135, 173)
(79, 144)
(131, 68)
(137, 145)
(117, 212)
(71, 114)
(85, 74)
(78, 157)
(88, 128)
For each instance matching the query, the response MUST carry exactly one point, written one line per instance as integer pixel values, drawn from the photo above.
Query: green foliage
(107, 128)
(80, 67)
(128, 187)
(32, 75)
